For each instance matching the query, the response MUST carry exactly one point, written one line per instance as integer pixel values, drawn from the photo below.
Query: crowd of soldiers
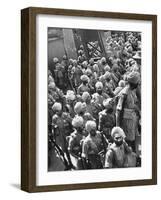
(94, 107)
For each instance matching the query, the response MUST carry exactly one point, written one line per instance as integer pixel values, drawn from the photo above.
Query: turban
(84, 78)
(103, 59)
(88, 72)
(121, 83)
(102, 78)
(80, 52)
(95, 67)
(99, 85)
(90, 125)
(51, 85)
(117, 130)
(74, 62)
(64, 57)
(115, 67)
(106, 102)
(85, 96)
(57, 107)
(91, 61)
(107, 68)
(77, 121)
(70, 95)
(55, 60)
(70, 60)
(85, 63)
(107, 75)
(133, 77)
(78, 107)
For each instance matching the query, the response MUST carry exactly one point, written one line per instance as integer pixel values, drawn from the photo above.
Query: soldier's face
(79, 129)
(93, 132)
(99, 90)
(118, 139)
(59, 112)
(85, 82)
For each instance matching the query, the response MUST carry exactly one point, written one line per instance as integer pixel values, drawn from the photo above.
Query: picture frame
(29, 98)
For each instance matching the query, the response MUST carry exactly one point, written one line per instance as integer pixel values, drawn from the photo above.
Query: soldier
(95, 70)
(55, 94)
(77, 73)
(99, 96)
(91, 63)
(115, 75)
(80, 110)
(59, 130)
(92, 146)
(102, 64)
(60, 75)
(118, 89)
(127, 111)
(107, 119)
(81, 56)
(84, 86)
(92, 80)
(75, 142)
(119, 154)
(109, 85)
(87, 99)
(65, 64)
(53, 70)
(70, 101)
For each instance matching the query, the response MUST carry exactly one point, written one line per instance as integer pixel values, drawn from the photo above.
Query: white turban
(95, 67)
(57, 107)
(103, 59)
(85, 95)
(78, 107)
(99, 85)
(70, 95)
(88, 72)
(117, 130)
(55, 60)
(77, 121)
(90, 125)
(106, 102)
(107, 68)
(84, 78)
(51, 85)
(121, 83)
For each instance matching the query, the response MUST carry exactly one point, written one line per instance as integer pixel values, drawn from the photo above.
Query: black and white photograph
(94, 99)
